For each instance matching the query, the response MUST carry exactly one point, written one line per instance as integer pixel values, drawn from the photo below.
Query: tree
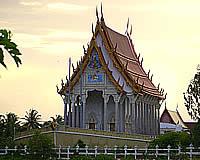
(40, 146)
(32, 119)
(192, 96)
(196, 134)
(174, 139)
(8, 125)
(9, 46)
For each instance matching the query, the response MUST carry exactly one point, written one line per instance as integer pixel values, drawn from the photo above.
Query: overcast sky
(166, 33)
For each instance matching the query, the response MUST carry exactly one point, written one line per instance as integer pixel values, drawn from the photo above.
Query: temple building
(109, 89)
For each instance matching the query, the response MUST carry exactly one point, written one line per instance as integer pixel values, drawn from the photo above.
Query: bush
(174, 139)
(40, 146)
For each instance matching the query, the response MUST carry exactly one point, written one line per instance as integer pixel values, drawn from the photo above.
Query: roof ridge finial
(151, 77)
(92, 29)
(141, 61)
(148, 73)
(102, 19)
(97, 14)
(177, 107)
(127, 25)
(165, 105)
(130, 30)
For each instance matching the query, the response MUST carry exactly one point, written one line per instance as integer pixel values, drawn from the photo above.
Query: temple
(109, 89)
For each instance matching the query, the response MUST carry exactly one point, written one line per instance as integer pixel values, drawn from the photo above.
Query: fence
(135, 153)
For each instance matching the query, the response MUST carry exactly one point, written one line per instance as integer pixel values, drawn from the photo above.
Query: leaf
(2, 58)
(17, 60)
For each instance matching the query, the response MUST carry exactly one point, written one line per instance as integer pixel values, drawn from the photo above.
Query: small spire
(57, 88)
(141, 61)
(92, 29)
(165, 95)
(158, 86)
(165, 105)
(148, 73)
(84, 49)
(131, 30)
(177, 107)
(138, 56)
(127, 25)
(73, 67)
(151, 77)
(62, 83)
(97, 14)
(102, 19)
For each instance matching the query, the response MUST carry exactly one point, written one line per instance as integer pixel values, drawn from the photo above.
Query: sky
(166, 34)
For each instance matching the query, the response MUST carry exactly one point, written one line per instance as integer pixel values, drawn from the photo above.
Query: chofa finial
(130, 30)
(92, 29)
(97, 14)
(102, 19)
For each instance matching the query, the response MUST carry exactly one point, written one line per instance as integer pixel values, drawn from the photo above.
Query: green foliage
(80, 143)
(192, 97)
(9, 46)
(196, 135)
(40, 146)
(9, 124)
(98, 157)
(174, 139)
(32, 119)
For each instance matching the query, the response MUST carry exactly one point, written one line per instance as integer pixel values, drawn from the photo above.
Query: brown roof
(172, 117)
(126, 54)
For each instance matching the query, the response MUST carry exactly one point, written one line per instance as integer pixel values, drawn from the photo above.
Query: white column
(73, 112)
(106, 98)
(133, 104)
(83, 105)
(116, 99)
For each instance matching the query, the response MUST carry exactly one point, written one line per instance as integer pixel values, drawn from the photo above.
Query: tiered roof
(121, 50)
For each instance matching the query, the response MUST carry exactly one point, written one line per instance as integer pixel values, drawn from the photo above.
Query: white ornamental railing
(135, 152)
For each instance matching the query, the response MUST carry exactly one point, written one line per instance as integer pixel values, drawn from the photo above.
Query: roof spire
(151, 77)
(127, 25)
(158, 86)
(148, 73)
(97, 14)
(84, 49)
(92, 29)
(165, 105)
(102, 19)
(130, 30)
(177, 107)
(141, 61)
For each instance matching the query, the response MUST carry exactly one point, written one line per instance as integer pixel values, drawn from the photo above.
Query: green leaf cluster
(9, 46)
(174, 139)
(40, 146)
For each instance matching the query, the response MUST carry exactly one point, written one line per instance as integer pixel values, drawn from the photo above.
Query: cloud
(66, 7)
(30, 3)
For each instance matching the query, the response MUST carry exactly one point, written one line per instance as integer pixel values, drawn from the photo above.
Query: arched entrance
(94, 110)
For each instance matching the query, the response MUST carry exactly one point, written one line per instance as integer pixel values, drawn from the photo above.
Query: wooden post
(135, 152)
(86, 150)
(191, 147)
(96, 148)
(115, 148)
(68, 149)
(157, 150)
(168, 152)
(59, 152)
(125, 151)
(105, 150)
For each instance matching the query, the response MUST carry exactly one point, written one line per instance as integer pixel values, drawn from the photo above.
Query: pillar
(105, 119)
(73, 111)
(83, 111)
(116, 99)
